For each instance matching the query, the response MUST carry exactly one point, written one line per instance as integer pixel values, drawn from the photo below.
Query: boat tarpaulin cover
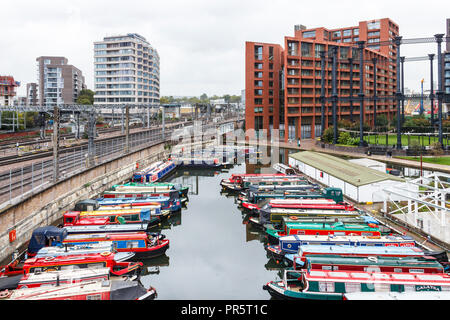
(10, 283)
(42, 235)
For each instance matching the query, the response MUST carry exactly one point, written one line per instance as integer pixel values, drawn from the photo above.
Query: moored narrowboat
(373, 264)
(143, 245)
(332, 285)
(291, 227)
(291, 244)
(172, 186)
(113, 289)
(360, 251)
(167, 203)
(155, 172)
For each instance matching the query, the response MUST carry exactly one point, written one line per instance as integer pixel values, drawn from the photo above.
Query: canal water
(213, 253)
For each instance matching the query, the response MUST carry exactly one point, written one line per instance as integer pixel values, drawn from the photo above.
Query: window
(344, 52)
(347, 33)
(373, 25)
(258, 92)
(258, 65)
(336, 34)
(373, 33)
(258, 83)
(352, 287)
(258, 74)
(258, 52)
(317, 49)
(309, 34)
(270, 75)
(326, 286)
(355, 32)
(306, 49)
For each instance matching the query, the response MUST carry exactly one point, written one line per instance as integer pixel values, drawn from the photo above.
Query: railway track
(13, 159)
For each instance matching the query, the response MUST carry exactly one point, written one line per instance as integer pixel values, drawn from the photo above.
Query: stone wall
(47, 207)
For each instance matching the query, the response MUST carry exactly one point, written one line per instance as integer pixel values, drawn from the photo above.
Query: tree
(86, 96)
(204, 97)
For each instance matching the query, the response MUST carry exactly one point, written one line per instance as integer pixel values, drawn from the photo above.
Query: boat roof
(342, 169)
(376, 260)
(342, 249)
(111, 212)
(331, 238)
(64, 274)
(106, 236)
(379, 277)
(422, 295)
(74, 249)
(295, 224)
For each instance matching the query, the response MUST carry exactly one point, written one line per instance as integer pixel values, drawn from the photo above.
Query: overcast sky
(201, 43)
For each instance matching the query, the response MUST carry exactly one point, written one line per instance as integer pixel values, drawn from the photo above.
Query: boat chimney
(57, 280)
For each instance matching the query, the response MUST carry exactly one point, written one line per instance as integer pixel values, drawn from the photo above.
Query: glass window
(326, 286)
(336, 34)
(306, 49)
(373, 25)
(309, 34)
(347, 33)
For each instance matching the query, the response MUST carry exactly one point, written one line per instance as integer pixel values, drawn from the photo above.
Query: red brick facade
(292, 102)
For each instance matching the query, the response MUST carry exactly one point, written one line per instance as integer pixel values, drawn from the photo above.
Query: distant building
(126, 70)
(32, 94)
(58, 82)
(7, 90)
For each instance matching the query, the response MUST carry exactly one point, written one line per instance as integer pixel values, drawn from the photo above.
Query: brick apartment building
(283, 85)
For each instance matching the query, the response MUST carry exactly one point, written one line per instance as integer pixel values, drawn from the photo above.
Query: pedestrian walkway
(310, 145)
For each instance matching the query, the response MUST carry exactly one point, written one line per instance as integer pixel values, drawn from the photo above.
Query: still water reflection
(213, 253)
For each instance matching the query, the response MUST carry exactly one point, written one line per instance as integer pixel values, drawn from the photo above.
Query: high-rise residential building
(126, 70)
(283, 85)
(7, 90)
(32, 94)
(58, 82)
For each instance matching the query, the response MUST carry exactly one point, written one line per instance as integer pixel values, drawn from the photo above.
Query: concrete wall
(47, 207)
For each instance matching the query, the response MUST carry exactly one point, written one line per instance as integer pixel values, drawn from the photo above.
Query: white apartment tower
(126, 71)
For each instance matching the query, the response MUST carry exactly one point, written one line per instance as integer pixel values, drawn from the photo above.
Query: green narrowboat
(332, 285)
(340, 228)
(158, 185)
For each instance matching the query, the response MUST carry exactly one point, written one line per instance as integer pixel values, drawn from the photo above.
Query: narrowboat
(154, 207)
(286, 203)
(283, 168)
(419, 295)
(113, 289)
(269, 214)
(141, 194)
(199, 162)
(143, 245)
(291, 244)
(109, 218)
(360, 251)
(247, 182)
(114, 261)
(236, 180)
(334, 194)
(291, 227)
(56, 278)
(373, 264)
(332, 285)
(167, 203)
(173, 186)
(154, 172)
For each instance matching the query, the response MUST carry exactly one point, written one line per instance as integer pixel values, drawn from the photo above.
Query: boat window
(445, 288)
(317, 273)
(69, 220)
(382, 287)
(429, 277)
(133, 244)
(352, 287)
(338, 274)
(96, 265)
(94, 297)
(403, 276)
(326, 286)
(409, 287)
(360, 275)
